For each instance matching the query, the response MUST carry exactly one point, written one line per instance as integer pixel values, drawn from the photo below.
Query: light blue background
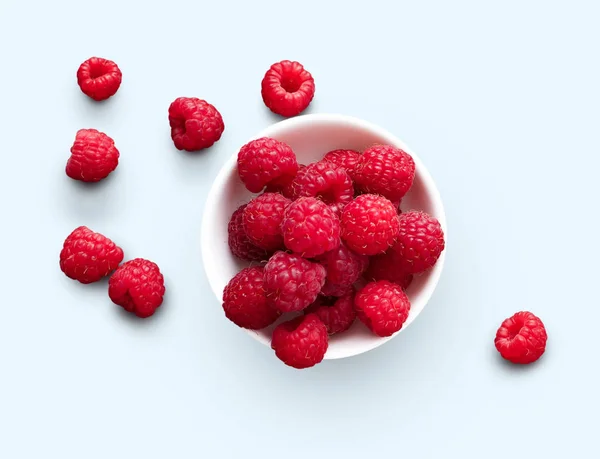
(499, 99)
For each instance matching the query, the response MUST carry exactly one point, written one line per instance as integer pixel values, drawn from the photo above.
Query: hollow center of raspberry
(290, 83)
(97, 71)
(514, 331)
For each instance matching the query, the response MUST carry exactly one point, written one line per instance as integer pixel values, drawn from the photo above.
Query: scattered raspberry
(287, 88)
(369, 224)
(262, 219)
(344, 268)
(388, 266)
(292, 283)
(301, 342)
(138, 287)
(285, 186)
(382, 306)
(310, 227)
(239, 242)
(385, 170)
(337, 314)
(346, 159)
(87, 256)
(93, 156)
(99, 78)
(420, 241)
(325, 181)
(245, 300)
(195, 124)
(521, 338)
(266, 162)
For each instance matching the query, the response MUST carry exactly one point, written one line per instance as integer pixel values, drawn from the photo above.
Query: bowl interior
(311, 136)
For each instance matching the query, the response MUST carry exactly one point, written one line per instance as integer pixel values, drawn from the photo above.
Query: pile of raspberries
(327, 242)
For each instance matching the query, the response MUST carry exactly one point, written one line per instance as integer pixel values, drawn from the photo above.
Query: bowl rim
(290, 123)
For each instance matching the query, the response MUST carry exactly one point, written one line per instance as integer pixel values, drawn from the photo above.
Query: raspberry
(284, 186)
(266, 162)
(310, 227)
(346, 159)
(239, 242)
(521, 338)
(385, 170)
(99, 78)
(93, 156)
(388, 266)
(344, 268)
(325, 181)
(262, 220)
(369, 224)
(195, 124)
(420, 241)
(337, 314)
(382, 306)
(301, 342)
(245, 300)
(292, 283)
(87, 256)
(138, 287)
(287, 88)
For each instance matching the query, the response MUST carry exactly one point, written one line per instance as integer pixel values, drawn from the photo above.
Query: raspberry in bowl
(356, 222)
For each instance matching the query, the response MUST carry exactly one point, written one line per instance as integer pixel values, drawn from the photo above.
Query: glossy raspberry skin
(138, 287)
(385, 170)
(292, 283)
(284, 186)
(266, 162)
(325, 181)
(382, 306)
(388, 266)
(522, 338)
(88, 256)
(301, 342)
(310, 227)
(344, 268)
(99, 78)
(239, 242)
(245, 300)
(420, 241)
(287, 88)
(93, 156)
(337, 314)
(369, 224)
(195, 124)
(262, 219)
(347, 159)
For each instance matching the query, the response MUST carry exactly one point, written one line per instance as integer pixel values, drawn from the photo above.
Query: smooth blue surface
(500, 100)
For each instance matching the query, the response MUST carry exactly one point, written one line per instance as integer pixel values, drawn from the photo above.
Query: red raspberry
(266, 162)
(325, 181)
(195, 124)
(310, 227)
(382, 306)
(239, 242)
(292, 282)
(385, 170)
(521, 338)
(287, 88)
(301, 342)
(344, 268)
(337, 314)
(99, 78)
(262, 219)
(87, 256)
(93, 156)
(245, 300)
(388, 266)
(343, 158)
(420, 241)
(137, 286)
(284, 187)
(369, 224)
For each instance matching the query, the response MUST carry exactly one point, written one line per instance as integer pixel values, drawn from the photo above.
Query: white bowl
(311, 136)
